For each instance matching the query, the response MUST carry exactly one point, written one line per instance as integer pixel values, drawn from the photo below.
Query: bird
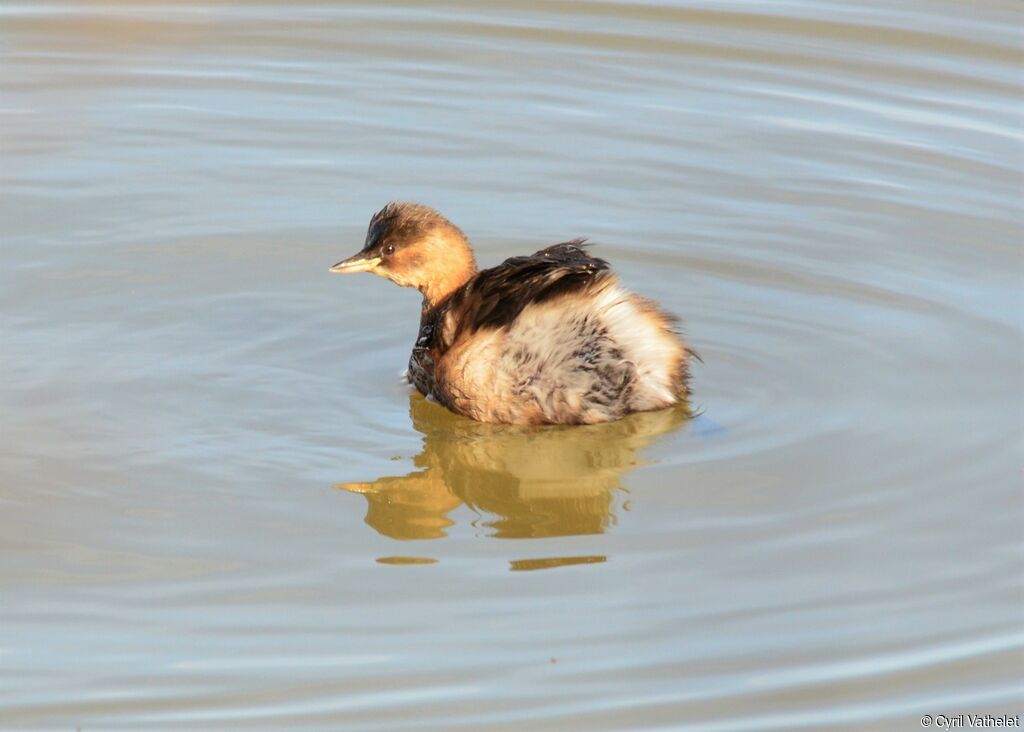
(550, 338)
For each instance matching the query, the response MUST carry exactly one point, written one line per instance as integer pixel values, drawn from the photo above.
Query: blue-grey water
(219, 508)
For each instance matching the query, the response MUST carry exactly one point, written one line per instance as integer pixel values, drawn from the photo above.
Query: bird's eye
(389, 249)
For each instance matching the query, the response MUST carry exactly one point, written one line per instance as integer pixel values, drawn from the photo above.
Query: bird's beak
(356, 263)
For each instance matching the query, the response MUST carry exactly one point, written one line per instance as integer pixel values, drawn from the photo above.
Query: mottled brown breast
(425, 354)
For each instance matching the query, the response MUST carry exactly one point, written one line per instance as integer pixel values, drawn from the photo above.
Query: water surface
(220, 509)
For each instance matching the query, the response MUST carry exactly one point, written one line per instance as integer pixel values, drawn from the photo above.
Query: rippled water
(220, 509)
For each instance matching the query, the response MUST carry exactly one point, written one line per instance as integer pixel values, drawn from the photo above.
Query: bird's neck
(457, 268)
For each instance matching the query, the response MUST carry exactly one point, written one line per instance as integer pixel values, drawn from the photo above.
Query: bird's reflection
(534, 482)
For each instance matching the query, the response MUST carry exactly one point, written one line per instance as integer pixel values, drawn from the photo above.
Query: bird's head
(414, 246)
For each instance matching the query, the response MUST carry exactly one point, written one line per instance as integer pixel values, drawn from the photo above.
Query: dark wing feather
(496, 296)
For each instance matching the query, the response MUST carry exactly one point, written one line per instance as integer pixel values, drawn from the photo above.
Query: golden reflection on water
(530, 482)
(406, 560)
(529, 565)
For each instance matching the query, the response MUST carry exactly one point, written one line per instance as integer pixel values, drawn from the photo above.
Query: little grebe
(550, 338)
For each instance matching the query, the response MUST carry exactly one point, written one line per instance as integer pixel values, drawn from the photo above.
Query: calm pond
(219, 508)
